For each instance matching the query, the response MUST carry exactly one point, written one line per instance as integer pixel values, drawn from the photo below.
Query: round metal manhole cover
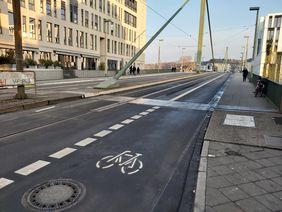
(54, 195)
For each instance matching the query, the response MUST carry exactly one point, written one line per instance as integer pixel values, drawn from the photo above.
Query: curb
(200, 194)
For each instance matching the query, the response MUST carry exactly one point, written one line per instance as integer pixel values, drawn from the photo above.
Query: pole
(247, 47)
(159, 55)
(18, 45)
(255, 36)
(209, 20)
(182, 59)
(226, 59)
(201, 34)
(106, 49)
(112, 82)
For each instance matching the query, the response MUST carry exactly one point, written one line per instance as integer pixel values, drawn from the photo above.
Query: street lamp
(182, 59)
(106, 43)
(255, 36)
(159, 54)
(247, 47)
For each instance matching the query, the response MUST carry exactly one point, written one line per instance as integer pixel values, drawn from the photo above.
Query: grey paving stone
(230, 207)
(274, 152)
(238, 158)
(214, 197)
(278, 195)
(225, 160)
(252, 189)
(258, 155)
(269, 185)
(267, 172)
(251, 205)
(212, 173)
(276, 160)
(251, 165)
(270, 202)
(223, 170)
(250, 149)
(209, 209)
(277, 180)
(234, 193)
(252, 176)
(236, 179)
(265, 162)
(217, 182)
(278, 169)
(214, 162)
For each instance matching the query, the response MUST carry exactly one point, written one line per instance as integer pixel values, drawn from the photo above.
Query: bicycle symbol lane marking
(128, 162)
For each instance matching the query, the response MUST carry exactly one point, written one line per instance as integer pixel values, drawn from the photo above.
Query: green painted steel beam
(112, 81)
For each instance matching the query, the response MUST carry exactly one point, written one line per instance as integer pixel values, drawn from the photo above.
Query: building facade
(268, 53)
(78, 34)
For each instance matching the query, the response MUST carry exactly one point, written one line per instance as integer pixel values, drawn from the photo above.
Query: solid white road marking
(43, 109)
(238, 120)
(4, 182)
(144, 113)
(32, 167)
(103, 133)
(156, 107)
(136, 117)
(150, 110)
(62, 153)
(190, 91)
(116, 127)
(127, 121)
(85, 142)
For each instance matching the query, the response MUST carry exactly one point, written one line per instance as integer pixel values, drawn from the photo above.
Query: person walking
(130, 70)
(138, 70)
(245, 74)
(134, 70)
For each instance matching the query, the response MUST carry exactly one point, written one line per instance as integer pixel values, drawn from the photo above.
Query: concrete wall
(92, 73)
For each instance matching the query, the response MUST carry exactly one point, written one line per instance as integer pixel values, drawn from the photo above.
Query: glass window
(76, 39)
(55, 8)
(82, 17)
(81, 39)
(96, 22)
(48, 8)
(32, 28)
(22, 3)
(270, 34)
(49, 32)
(57, 33)
(63, 10)
(91, 3)
(65, 35)
(270, 22)
(24, 28)
(108, 8)
(70, 37)
(31, 4)
(277, 21)
(92, 21)
(92, 42)
(95, 43)
(100, 5)
(73, 13)
(0, 24)
(86, 19)
(41, 6)
(86, 40)
(39, 27)
(277, 34)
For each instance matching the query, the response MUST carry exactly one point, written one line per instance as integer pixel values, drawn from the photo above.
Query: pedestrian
(134, 70)
(245, 74)
(130, 70)
(138, 70)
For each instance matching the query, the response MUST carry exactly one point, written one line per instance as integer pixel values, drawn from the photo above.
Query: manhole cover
(54, 195)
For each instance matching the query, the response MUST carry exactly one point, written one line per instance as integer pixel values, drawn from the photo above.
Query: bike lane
(160, 136)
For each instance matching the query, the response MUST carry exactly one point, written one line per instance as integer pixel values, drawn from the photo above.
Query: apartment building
(268, 60)
(82, 34)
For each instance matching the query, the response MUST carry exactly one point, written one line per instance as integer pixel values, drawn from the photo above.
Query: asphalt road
(131, 151)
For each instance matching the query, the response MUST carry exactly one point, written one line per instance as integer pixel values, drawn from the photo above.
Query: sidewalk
(241, 161)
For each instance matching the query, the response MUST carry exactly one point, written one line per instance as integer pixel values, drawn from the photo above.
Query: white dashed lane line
(32, 167)
(103, 133)
(43, 109)
(62, 153)
(144, 113)
(150, 110)
(136, 117)
(4, 182)
(85, 142)
(156, 107)
(127, 121)
(116, 127)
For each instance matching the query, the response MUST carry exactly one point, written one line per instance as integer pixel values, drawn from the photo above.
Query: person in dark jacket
(130, 70)
(138, 70)
(134, 70)
(245, 74)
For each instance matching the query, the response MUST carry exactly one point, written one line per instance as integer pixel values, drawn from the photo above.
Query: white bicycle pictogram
(129, 162)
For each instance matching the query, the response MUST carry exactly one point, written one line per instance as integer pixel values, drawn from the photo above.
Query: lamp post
(255, 36)
(182, 59)
(106, 44)
(159, 54)
(247, 47)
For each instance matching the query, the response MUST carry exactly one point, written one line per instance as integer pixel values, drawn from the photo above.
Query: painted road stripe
(62, 153)
(103, 133)
(32, 167)
(144, 113)
(150, 110)
(136, 117)
(190, 91)
(4, 182)
(127, 121)
(85, 142)
(156, 107)
(116, 127)
(43, 109)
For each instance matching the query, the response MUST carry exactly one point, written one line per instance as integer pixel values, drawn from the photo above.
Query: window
(41, 6)
(81, 39)
(22, 3)
(48, 8)
(70, 37)
(91, 3)
(86, 40)
(73, 13)
(277, 34)
(55, 8)
(277, 21)
(96, 22)
(31, 5)
(49, 32)
(92, 21)
(108, 46)
(39, 27)
(130, 19)
(82, 17)
(100, 5)
(76, 39)
(86, 19)
(270, 22)
(91, 42)
(270, 34)
(0, 24)
(100, 24)
(95, 42)
(108, 8)
(131, 4)
(57, 33)
(32, 28)
(63, 10)
(65, 35)
(24, 27)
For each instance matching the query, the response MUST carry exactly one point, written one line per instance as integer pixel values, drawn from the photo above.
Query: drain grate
(54, 195)
(277, 120)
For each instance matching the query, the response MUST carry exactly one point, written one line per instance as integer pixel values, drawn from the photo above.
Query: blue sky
(231, 21)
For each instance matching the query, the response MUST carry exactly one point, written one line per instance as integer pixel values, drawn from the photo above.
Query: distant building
(83, 34)
(268, 54)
